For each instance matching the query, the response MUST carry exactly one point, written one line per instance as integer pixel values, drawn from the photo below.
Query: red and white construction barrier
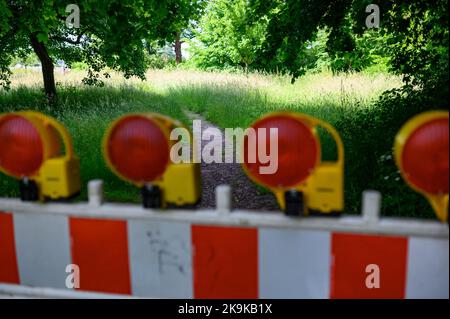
(124, 249)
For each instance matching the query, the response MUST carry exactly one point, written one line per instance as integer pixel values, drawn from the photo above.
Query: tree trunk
(47, 67)
(178, 55)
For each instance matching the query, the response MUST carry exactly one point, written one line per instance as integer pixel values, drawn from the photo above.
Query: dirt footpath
(245, 194)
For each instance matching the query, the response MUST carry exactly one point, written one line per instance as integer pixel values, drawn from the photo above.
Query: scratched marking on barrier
(160, 257)
(169, 251)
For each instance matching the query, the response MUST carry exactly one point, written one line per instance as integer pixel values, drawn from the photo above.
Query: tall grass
(228, 100)
(86, 112)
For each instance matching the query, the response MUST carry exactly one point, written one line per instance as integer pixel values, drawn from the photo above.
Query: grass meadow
(227, 100)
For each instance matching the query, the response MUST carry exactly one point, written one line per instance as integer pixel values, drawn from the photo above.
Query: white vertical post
(223, 199)
(95, 192)
(371, 204)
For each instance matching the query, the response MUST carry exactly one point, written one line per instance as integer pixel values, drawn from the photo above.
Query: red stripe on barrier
(360, 262)
(100, 249)
(9, 272)
(225, 262)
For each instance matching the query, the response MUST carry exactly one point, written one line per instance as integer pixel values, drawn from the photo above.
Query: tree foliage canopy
(291, 35)
(225, 38)
(416, 32)
(111, 33)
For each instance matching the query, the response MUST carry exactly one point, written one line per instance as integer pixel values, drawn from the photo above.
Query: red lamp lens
(21, 150)
(138, 149)
(298, 151)
(425, 157)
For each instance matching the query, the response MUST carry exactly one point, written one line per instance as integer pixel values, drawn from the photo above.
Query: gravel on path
(245, 193)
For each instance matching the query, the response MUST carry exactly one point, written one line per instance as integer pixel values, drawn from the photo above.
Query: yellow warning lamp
(302, 183)
(421, 153)
(137, 147)
(31, 151)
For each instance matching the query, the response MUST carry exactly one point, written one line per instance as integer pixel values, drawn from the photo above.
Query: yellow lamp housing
(137, 147)
(34, 140)
(421, 152)
(320, 190)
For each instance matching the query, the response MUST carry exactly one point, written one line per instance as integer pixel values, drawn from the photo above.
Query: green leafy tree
(365, 50)
(185, 31)
(111, 34)
(415, 35)
(289, 37)
(226, 37)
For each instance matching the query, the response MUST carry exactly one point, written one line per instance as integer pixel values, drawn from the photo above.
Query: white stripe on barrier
(427, 256)
(294, 263)
(160, 259)
(43, 249)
